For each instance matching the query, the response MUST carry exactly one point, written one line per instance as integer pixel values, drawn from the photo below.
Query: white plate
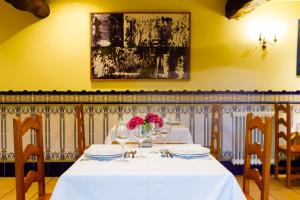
(103, 151)
(191, 157)
(102, 156)
(189, 150)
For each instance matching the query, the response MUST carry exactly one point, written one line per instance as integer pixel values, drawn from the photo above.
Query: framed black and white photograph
(298, 51)
(140, 46)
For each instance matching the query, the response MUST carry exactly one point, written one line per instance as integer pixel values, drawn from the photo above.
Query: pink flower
(134, 122)
(154, 118)
(159, 121)
(151, 117)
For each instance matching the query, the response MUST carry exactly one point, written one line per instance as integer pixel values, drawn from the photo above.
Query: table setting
(114, 152)
(133, 171)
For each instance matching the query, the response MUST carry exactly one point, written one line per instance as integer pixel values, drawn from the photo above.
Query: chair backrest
(24, 183)
(262, 180)
(80, 129)
(285, 122)
(216, 123)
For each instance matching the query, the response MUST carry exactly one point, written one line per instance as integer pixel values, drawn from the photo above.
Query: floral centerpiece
(151, 118)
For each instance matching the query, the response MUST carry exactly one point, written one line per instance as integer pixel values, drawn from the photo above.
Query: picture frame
(140, 45)
(298, 51)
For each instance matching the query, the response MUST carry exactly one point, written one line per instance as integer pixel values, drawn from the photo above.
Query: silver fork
(169, 155)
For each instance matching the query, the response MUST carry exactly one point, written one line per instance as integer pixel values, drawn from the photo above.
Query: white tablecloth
(178, 134)
(152, 178)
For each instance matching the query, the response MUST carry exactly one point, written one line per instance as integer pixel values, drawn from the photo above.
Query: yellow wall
(53, 53)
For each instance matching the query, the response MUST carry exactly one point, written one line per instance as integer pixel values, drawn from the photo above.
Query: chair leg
(276, 164)
(288, 170)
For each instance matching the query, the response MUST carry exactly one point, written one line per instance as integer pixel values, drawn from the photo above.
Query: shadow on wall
(217, 6)
(13, 21)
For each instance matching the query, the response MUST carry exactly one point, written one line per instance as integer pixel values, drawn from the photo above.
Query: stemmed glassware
(154, 134)
(155, 131)
(140, 136)
(164, 131)
(122, 136)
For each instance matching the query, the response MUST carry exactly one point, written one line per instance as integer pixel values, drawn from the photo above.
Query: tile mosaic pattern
(103, 109)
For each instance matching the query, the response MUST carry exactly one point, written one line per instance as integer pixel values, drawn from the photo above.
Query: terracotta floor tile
(253, 186)
(9, 197)
(6, 187)
(285, 194)
(32, 190)
(256, 195)
(34, 197)
(48, 179)
(54, 180)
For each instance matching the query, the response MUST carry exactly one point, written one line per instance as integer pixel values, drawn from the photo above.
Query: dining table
(153, 177)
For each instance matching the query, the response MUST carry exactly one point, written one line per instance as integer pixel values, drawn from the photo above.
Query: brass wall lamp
(264, 42)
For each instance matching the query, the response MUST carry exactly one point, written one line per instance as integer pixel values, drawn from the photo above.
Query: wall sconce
(263, 41)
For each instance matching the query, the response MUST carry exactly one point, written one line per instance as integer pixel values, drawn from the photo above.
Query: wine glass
(140, 135)
(122, 135)
(164, 131)
(155, 132)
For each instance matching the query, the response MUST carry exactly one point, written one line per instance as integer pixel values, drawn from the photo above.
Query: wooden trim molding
(234, 8)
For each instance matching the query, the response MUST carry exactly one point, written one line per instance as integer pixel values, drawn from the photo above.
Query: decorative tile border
(149, 97)
(102, 109)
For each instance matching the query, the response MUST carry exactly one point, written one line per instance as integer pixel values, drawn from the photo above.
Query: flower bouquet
(151, 118)
(144, 126)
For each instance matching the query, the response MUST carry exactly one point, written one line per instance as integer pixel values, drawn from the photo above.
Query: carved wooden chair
(80, 129)
(288, 149)
(24, 183)
(216, 123)
(262, 180)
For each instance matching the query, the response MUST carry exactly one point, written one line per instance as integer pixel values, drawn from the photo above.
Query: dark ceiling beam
(234, 8)
(238, 8)
(39, 8)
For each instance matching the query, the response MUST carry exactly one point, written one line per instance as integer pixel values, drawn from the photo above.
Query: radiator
(239, 134)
